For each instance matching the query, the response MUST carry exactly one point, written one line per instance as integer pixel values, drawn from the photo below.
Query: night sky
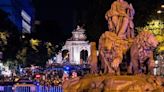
(59, 17)
(56, 19)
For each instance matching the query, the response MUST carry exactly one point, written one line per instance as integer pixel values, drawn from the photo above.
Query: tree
(157, 28)
(155, 24)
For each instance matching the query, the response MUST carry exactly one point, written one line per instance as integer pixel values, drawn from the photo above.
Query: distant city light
(37, 22)
(159, 11)
(37, 76)
(23, 36)
(162, 6)
(66, 68)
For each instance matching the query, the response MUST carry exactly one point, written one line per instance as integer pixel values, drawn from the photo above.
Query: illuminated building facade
(20, 13)
(75, 45)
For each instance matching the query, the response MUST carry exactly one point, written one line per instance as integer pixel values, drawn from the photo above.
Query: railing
(30, 88)
(25, 88)
(6, 89)
(50, 89)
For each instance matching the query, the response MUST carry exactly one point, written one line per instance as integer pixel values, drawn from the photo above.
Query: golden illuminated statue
(92, 60)
(141, 52)
(120, 18)
(113, 46)
(111, 50)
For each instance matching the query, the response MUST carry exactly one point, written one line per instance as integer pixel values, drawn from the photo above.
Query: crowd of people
(49, 76)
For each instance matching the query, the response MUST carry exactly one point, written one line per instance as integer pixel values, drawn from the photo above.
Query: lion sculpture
(141, 53)
(111, 50)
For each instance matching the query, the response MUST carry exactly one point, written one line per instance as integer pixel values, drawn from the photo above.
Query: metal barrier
(25, 88)
(30, 88)
(6, 89)
(50, 89)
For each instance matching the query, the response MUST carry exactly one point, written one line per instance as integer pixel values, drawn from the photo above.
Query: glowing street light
(23, 36)
(159, 11)
(162, 6)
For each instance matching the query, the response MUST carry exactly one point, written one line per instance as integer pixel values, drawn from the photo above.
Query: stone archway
(84, 56)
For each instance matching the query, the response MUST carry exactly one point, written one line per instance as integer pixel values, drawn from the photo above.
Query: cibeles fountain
(77, 46)
(114, 44)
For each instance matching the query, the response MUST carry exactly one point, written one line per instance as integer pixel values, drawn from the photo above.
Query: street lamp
(159, 11)
(162, 6)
